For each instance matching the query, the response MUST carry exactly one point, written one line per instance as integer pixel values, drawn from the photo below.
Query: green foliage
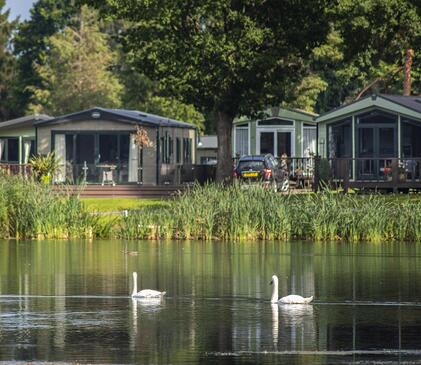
(44, 167)
(75, 72)
(371, 38)
(29, 210)
(173, 108)
(140, 93)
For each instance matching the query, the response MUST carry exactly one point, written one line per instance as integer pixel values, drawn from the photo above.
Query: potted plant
(45, 167)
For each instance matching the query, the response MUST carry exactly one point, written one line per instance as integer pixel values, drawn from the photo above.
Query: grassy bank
(35, 211)
(235, 213)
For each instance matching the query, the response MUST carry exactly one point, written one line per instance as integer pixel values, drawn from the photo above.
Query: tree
(141, 93)
(7, 64)
(366, 50)
(30, 42)
(75, 73)
(226, 57)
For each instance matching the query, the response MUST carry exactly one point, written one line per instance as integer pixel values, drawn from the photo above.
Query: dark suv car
(262, 169)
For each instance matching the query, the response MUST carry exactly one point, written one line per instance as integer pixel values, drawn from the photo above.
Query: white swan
(289, 299)
(145, 293)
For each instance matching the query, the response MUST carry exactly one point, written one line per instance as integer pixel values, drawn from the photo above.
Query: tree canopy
(226, 57)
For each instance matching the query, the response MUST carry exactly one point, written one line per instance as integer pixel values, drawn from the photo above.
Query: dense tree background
(8, 66)
(206, 61)
(76, 71)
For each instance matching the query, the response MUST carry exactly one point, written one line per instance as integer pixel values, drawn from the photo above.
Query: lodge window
(376, 117)
(340, 139)
(187, 150)
(9, 149)
(167, 148)
(411, 137)
(275, 122)
(241, 141)
(309, 141)
(95, 147)
(178, 149)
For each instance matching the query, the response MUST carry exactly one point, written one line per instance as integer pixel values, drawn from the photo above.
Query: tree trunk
(408, 65)
(223, 130)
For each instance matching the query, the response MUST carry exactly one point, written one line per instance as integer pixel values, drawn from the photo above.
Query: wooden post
(316, 177)
(395, 174)
(345, 174)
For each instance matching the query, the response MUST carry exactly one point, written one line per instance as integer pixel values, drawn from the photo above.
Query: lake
(69, 302)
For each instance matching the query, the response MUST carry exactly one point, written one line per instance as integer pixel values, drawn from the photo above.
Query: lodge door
(377, 145)
(276, 142)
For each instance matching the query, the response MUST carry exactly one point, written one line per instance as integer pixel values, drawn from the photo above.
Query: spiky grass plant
(254, 213)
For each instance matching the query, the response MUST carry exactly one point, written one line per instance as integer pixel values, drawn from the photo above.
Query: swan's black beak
(271, 282)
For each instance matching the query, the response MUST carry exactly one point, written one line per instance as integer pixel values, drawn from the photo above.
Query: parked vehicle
(256, 169)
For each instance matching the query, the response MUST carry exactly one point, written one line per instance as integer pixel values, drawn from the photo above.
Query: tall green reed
(238, 212)
(32, 210)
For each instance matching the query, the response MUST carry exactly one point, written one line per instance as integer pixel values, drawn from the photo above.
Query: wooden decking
(130, 191)
(384, 185)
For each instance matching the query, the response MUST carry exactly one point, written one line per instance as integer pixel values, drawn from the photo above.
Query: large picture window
(92, 154)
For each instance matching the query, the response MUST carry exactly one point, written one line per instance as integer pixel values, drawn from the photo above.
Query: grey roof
(26, 121)
(208, 142)
(120, 115)
(412, 102)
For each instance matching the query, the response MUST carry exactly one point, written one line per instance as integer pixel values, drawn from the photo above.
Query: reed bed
(30, 210)
(215, 212)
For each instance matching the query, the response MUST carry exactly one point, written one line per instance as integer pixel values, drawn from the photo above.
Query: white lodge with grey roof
(373, 141)
(99, 146)
(280, 131)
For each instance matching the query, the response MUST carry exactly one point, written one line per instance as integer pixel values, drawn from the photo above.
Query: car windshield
(250, 164)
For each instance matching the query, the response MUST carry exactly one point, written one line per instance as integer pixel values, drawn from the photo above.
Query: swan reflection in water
(147, 305)
(143, 306)
(275, 324)
(294, 323)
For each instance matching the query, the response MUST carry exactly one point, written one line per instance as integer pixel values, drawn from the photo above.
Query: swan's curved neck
(274, 298)
(134, 284)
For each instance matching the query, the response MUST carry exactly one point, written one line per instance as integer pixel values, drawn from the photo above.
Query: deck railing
(16, 169)
(370, 172)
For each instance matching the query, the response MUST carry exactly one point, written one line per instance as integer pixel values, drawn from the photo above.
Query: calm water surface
(68, 302)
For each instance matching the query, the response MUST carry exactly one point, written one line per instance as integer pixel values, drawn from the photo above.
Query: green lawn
(118, 204)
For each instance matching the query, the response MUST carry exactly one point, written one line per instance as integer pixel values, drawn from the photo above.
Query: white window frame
(234, 149)
(275, 129)
(303, 127)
